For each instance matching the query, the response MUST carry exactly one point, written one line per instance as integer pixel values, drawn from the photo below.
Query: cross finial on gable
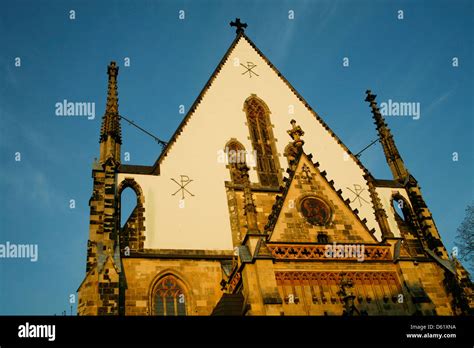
(238, 25)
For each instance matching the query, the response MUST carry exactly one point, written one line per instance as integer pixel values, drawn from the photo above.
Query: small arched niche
(235, 154)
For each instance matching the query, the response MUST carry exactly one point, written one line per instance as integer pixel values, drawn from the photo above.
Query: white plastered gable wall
(203, 222)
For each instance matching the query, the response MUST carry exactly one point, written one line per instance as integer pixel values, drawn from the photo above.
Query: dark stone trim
(313, 243)
(182, 254)
(446, 264)
(247, 235)
(387, 183)
(135, 169)
(269, 300)
(263, 257)
(253, 187)
(336, 260)
(414, 259)
(230, 305)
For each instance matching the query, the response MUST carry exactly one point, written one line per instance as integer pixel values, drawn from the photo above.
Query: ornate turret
(400, 173)
(380, 214)
(249, 205)
(103, 267)
(110, 132)
(392, 155)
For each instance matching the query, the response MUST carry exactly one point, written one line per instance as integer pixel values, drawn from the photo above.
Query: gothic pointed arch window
(132, 230)
(169, 297)
(236, 155)
(263, 142)
(407, 224)
(402, 209)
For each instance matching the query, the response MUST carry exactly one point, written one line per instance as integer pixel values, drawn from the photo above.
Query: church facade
(271, 214)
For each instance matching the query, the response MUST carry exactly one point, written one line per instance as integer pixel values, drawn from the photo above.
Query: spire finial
(392, 155)
(112, 94)
(111, 132)
(111, 120)
(239, 26)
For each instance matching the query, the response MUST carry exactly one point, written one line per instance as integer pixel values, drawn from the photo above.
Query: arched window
(128, 202)
(169, 297)
(407, 224)
(258, 119)
(402, 208)
(236, 154)
(131, 215)
(397, 207)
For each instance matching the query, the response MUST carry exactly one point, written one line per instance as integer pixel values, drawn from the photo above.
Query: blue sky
(407, 60)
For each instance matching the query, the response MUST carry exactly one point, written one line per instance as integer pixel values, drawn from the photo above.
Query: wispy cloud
(438, 101)
(324, 14)
(284, 43)
(8, 75)
(17, 135)
(27, 178)
(34, 187)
